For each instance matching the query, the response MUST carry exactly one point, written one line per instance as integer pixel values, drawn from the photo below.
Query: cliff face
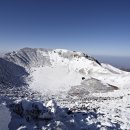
(28, 57)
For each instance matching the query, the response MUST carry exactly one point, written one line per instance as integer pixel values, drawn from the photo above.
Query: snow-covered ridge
(98, 94)
(59, 69)
(38, 56)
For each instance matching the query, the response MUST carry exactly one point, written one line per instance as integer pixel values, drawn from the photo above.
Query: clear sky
(94, 26)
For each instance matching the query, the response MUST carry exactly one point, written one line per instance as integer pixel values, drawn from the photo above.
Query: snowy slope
(68, 68)
(98, 94)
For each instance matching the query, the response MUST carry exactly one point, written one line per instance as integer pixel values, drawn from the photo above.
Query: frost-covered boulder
(29, 109)
(50, 115)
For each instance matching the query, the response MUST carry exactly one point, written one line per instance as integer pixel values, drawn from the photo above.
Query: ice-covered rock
(36, 115)
(52, 106)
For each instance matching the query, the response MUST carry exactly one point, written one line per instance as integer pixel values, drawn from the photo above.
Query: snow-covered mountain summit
(34, 57)
(60, 70)
(100, 92)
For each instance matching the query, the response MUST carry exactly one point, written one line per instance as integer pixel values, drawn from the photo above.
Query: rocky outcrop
(34, 115)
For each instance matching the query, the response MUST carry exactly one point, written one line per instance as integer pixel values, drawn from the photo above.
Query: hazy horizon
(117, 61)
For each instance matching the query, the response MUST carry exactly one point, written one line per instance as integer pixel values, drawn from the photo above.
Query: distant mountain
(125, 69)
(117, 61)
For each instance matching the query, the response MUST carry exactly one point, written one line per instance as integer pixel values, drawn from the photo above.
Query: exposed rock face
(28, 57)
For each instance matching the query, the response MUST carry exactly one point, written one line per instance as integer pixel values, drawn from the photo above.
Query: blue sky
(100, 27)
